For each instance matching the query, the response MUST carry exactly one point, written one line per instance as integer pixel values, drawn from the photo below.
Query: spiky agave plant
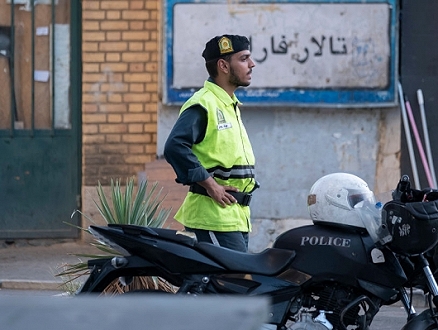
(140, 207)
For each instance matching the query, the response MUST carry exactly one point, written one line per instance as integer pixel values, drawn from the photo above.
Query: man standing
(210, 151)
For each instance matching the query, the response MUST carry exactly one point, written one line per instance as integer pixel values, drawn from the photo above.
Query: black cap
(224, 45)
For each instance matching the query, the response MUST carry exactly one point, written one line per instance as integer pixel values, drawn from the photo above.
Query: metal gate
(40, 100)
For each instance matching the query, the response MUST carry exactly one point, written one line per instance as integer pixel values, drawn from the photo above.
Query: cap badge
(225, 45)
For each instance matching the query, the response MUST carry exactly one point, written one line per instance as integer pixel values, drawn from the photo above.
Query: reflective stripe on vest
(236, 172)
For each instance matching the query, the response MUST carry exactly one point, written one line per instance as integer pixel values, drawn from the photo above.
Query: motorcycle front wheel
(423, 321)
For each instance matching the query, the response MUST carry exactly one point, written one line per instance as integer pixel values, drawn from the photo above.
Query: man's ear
(223, 65)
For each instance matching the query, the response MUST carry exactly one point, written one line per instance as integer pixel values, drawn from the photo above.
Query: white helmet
(334, 199)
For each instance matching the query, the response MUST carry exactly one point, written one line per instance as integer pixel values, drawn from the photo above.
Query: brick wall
(120, 49)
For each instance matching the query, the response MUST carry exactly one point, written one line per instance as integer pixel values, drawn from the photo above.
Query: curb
(30, 285)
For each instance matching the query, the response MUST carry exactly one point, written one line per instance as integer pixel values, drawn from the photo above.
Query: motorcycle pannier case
(413, 226)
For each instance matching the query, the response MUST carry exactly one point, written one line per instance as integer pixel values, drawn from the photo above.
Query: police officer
(210, 151)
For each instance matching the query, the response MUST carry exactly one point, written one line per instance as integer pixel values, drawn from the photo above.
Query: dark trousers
(234, 240)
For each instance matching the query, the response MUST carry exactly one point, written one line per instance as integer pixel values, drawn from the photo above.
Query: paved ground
(34, 266)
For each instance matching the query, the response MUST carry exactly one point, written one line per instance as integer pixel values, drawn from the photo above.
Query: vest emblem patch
(222, 123)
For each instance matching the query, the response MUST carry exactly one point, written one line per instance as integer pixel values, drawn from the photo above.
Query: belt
(242, 198)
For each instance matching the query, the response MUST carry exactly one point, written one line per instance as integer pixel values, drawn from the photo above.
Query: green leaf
(104, 208)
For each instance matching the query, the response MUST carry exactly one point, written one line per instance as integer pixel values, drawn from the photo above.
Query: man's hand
(219, 193)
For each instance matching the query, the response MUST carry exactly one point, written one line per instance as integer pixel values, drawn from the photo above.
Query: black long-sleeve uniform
(188, 130)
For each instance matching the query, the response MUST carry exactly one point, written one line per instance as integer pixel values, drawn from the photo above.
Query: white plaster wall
(294, 148)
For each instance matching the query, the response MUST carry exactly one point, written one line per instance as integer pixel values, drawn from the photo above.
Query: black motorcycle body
(344, 256)
(308, 270)
(317, 277)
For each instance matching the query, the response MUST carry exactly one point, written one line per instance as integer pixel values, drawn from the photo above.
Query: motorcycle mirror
(403, 188)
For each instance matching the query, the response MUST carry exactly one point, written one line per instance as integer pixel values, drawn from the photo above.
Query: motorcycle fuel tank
(338, 254)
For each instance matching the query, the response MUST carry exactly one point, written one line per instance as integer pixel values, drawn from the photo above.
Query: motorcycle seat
(182, 237)
(269, 262)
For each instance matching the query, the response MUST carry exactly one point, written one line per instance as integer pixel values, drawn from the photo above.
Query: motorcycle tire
(423, 321)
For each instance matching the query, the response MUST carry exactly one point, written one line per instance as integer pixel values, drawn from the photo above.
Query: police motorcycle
(334, 274)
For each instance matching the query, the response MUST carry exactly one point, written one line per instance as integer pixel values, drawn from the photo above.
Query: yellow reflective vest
(227, 155)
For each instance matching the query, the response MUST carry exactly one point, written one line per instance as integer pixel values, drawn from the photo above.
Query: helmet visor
(355, 199)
